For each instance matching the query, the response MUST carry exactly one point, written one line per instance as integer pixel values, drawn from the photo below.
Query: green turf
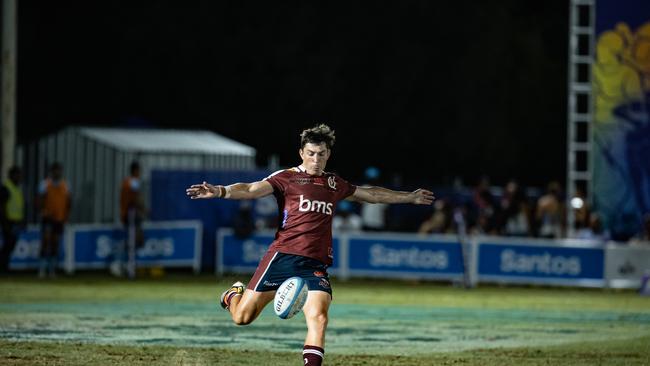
(176, 320)
(616, 352)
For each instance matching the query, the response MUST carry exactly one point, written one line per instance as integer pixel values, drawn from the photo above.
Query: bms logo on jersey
(307, 205)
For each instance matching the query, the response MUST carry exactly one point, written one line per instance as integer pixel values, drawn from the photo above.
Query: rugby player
(307, 196)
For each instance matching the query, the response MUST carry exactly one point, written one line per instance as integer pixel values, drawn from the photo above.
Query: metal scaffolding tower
(582, 34)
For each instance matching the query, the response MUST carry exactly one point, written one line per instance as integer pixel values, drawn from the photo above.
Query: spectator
(486, 209)
(580, 210)
(440, 221)
(12, 215)
(54, 201)
(594, 230)
(373, 215)
(345, 219)
(516, 216)
(550, 212)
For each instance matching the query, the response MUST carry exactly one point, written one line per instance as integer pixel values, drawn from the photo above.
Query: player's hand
(203, 190)
(422, 197)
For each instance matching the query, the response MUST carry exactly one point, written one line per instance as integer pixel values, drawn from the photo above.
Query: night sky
(429, 90)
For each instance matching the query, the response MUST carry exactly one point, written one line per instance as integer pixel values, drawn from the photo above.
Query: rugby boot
(237, 288)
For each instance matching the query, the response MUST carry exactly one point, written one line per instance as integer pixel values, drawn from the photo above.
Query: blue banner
(540, 262)
(243, 255)
(386, 257)
(27, 252)
(171, 244)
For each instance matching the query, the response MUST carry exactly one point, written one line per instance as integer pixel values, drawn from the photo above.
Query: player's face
(314, 157)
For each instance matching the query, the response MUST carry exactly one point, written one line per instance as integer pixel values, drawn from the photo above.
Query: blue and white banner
(243, 255)
(482, 259)
(386, 255)
(540, 261)
(27, 253)
(167, 244)
(405, 256)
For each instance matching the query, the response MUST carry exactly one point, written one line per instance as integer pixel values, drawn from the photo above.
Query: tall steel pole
(8, 114)
(582, 35)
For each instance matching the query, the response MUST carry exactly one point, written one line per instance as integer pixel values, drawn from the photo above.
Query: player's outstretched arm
(237, 191)
(385, 195)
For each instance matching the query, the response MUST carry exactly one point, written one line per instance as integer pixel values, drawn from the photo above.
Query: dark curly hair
(317, 135)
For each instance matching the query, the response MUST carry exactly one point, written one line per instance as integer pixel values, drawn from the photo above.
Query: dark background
(425, 90)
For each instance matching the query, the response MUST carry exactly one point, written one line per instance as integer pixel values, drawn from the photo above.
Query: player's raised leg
(245, 305)
(315, 309)
(246, 308)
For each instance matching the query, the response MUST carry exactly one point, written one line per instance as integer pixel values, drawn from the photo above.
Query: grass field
(92, 319)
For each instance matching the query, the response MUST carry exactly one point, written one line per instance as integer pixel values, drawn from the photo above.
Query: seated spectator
(550, 212)
(345, 219)
(373, 215)
(595, 229)
(486, 209)
(516, 217)
(580, 210)
(440, 221)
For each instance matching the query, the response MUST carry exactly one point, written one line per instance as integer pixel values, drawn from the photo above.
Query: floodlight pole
(8, 114)
(582, 34)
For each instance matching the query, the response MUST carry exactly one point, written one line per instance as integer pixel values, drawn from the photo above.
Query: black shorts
(276, 267)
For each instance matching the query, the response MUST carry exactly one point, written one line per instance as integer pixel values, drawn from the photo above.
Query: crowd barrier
(94, 246)
(479, 260)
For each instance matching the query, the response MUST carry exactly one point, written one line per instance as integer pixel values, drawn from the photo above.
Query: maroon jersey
(306, 204)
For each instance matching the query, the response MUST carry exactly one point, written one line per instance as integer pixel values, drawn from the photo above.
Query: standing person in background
(307, 198)
(54, 201)
(12, 215)
(132, 214)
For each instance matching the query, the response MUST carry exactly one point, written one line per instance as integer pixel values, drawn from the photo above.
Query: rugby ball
(290, 297)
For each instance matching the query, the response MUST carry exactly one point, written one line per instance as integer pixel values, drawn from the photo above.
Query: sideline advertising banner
(625, 265)
(356, 255)
(26, 254)
(484, 259)
(541, 262)
(399, 256)
(167, 244)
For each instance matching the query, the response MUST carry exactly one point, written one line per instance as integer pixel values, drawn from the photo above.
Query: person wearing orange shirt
(54, 202)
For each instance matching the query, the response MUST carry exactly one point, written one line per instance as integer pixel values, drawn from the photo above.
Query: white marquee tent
(95, 160)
